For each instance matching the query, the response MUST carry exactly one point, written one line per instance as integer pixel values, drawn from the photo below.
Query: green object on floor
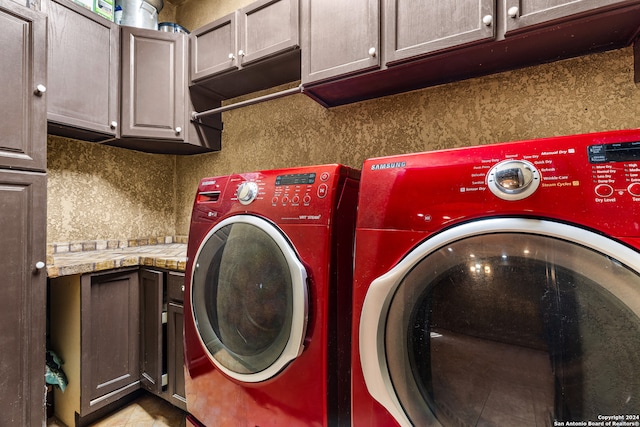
(54, 374)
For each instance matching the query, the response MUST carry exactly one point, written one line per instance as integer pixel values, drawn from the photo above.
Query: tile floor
(146, 411)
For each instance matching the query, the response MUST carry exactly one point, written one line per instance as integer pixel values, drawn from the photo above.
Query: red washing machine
(268, 298)
(499, 285)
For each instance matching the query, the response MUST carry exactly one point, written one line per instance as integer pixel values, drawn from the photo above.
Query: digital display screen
(296, 179)
(618, 152)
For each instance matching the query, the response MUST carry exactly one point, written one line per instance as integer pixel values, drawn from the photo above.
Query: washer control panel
(300, 189)
(282, 190)
(301, 195)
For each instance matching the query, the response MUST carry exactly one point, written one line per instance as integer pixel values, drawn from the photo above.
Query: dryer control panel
(590, 179)
(608, 175)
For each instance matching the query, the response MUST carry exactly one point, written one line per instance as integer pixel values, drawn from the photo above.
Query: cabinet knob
(40, 265)
(178, 130)
(513, 12)
(241, 53)
(487, 20)
(232, 56)
(182, 288)
(40, 90)
(113, 124)
(372, 52)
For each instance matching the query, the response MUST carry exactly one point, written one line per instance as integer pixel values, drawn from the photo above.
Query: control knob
(247, 192)
(513, 179)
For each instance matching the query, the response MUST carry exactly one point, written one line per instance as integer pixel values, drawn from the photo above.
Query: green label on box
(104, 8)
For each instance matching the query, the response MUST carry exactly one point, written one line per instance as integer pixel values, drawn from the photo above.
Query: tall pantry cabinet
(23, 195)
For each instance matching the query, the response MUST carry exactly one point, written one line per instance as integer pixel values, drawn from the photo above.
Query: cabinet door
(417, 27)
(266, 28)
(22, 306)
(153, 85)
(213, 48)
(175, 287)
(23, 42)
(83, 71)
(109, 338)
(151, 285)
(521, 14)
(176, 389)
(339, 37)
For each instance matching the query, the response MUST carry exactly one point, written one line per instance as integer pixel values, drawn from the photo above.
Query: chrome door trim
(300, 313)
(381, 291)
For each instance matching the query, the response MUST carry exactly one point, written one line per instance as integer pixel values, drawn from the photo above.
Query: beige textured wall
(99, 192)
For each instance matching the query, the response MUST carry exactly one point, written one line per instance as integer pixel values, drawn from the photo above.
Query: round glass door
(249, 298)
(495, 324)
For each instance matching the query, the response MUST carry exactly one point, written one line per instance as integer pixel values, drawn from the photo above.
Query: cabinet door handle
(241, 53)
(113, 124)
(40, 265)
(487, 20)
(178, 130)
(40, 90)
(513, 12)
(372, 52)
(232, 56)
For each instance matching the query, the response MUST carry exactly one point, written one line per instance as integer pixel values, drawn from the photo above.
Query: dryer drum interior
(243, 298)
(537, 326)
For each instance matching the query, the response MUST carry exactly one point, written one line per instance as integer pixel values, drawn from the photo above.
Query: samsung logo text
(391, 165)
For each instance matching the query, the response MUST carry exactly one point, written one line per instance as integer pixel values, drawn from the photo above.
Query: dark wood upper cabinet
(84, 71)
(23, 87)
(266, 28)
(415, 28)
(156, 102)
(428, 43)
(153, 85)
(213, 48)
(122, 86)
(339, 38)
(524, 14)
(253, 48)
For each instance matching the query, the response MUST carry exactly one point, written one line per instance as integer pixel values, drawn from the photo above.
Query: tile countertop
(171, 256)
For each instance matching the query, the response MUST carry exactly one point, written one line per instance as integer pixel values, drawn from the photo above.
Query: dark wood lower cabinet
(93, 327)
(22, 306)
(118, 332)
(109, 338)
(151, 330)
(175, 392)
(161, 359)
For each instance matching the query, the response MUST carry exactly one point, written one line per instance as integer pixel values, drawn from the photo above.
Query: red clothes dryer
(268, 298)
(499, 285)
